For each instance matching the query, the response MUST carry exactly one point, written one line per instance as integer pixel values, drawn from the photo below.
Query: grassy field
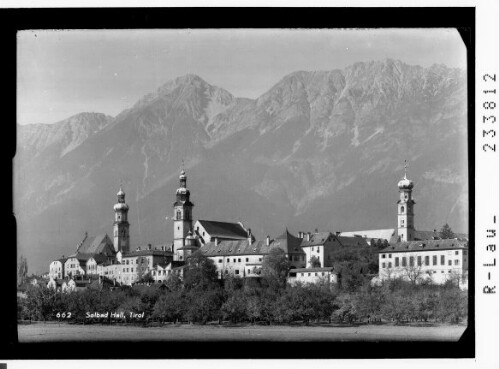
(42, 332)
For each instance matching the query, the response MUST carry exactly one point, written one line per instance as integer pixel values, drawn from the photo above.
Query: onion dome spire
(405, 183)
(121, 205)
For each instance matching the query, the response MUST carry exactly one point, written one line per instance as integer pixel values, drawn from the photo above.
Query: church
(235, 251)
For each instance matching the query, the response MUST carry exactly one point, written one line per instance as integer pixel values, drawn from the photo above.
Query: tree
(314, 262)
(142, 270)
(446, 232)
(414, 274)
(169, 307)
(22, 270)
(235, 306)
(200, 273)
(275, 268)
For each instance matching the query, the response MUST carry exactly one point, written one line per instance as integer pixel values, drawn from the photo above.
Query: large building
(436, 261)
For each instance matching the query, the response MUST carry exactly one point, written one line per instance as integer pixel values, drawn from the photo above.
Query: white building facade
(436, 261)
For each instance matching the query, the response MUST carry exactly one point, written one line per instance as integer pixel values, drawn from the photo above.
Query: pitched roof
(385, 234)
(352, 241)
(426, 245)
(136, 253)
(99, 258)
(316, 239)
(224, 229)
(95, 245)
(430, 235)
(288, 243)
(235, 247)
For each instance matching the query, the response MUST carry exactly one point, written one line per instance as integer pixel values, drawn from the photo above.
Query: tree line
(200, 297)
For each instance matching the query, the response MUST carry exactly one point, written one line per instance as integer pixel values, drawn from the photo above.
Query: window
(249, 271)
(383, 256)
(427, 260)
(456, 262)
(411, 261)
(259, 259)
(449, 262)
(419, 260)
(239, 260)
(234, 260)
(219, 260)
(435, 260)
(442, 259)
(457, 252)
(404, 261)
(323, 273)
(396, 262)
(401, 209)
(465, 252)
(178, 214)
(237, 271)
(131, 270)
(389, 256)
(389, 264)
(309, 274)
(247, 259)
(382, 265)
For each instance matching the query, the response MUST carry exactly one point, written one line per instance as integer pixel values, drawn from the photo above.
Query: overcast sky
(62, 73)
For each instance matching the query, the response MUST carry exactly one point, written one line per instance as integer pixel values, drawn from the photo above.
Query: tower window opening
(178, 214)
(402, 209)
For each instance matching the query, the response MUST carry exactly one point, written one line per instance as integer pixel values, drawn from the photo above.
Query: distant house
(313, 275)
(56, 269)
(430, 260)
(322, 245)
(141, 261)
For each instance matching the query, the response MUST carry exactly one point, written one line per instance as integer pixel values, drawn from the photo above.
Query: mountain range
(319, 150)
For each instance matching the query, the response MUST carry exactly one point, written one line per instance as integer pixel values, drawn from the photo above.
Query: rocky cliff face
(318, 150)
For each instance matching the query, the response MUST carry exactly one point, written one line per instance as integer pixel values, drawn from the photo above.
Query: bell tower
(405, 207)
(182, 213)
(121, 231)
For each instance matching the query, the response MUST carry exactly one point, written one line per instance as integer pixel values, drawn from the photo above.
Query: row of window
(420, 261)
(142, 261)
(309, 274)
(236, 260)
(383, 256)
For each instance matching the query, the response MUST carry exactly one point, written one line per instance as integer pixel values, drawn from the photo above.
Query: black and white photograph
(276, 183)
(189, 183)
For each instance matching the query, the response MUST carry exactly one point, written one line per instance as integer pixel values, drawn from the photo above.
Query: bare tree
(413, 273)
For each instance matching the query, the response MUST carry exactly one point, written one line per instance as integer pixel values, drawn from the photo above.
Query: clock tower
(121, 235)
(405, 206)
(182, 213)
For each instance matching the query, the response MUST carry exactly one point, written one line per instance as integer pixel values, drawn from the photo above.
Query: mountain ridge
(320, 149)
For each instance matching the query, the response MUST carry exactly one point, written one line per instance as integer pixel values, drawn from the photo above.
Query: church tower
(121, 226)
(405, 207)
(182, 214)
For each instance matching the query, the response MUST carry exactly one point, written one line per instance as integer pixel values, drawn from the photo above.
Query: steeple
(405, 206)
(121, 235)
(182, 213)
